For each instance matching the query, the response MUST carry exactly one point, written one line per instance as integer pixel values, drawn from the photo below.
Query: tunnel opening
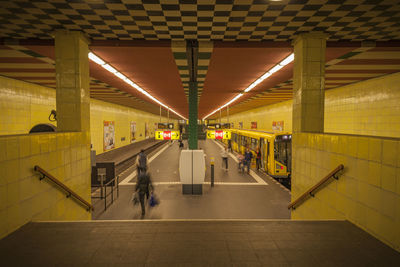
(43, 128)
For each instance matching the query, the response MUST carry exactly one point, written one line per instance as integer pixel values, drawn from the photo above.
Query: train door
(267, 157)
(262, 147)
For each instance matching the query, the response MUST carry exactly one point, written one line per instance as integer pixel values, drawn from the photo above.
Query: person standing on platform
(224, 155)
(247, 159)
(258, 159)
(144, 186)
(229, 145)
(141, 162)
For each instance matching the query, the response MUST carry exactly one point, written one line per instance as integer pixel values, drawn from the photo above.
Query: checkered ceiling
(228, 20)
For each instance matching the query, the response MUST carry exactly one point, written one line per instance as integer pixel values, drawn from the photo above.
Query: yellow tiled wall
(367, 108)
(122, 116)
(264, 116)
(23, 197)
(370, 107)
(368, 191)
(23, 105)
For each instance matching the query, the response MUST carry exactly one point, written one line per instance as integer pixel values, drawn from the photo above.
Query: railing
(103, 188)
(69, 191)
(311, 192)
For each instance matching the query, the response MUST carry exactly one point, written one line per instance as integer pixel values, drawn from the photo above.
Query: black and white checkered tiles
(227, 20)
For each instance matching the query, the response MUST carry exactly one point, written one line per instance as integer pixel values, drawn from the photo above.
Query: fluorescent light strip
(276, 68)
(108, 67)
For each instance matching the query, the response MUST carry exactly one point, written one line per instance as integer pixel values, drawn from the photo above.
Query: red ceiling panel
(152, 68)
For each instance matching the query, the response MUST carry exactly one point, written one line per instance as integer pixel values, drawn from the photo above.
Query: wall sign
(109, 135)
(133, 131)
(218, 134)
(253, 125)
(277, 126)
(167, 135)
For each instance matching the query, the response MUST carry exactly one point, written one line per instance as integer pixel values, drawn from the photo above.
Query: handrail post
(105, 198)
(112, 192)
(117, 186)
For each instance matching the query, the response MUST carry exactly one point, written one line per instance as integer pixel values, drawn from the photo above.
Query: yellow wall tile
(364, 108)
(389, 178)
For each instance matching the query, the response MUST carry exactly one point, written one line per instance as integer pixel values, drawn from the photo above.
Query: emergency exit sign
(167, 135)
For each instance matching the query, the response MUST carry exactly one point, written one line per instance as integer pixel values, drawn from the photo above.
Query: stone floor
(235, 195)
(195, 243)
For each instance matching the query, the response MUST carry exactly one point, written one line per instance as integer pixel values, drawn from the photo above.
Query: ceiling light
(108, 67)
(96, 59)
(287, 60)
(276, 68)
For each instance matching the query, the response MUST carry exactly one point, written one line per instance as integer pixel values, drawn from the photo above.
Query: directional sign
(167, 135)
(218, 134)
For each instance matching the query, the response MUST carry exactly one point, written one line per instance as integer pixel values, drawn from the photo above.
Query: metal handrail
(69, 191)
(315, 187)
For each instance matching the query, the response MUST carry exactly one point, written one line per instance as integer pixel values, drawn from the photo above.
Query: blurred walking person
(144, 186)
(141, 162)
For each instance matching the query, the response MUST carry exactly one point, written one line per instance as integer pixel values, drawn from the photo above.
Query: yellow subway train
(275, 148)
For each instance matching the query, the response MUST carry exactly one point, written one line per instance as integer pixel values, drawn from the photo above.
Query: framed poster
(109, 135)
(277, 126)
(133, 131)
(146, 130)
(253, 125)
(240, 125)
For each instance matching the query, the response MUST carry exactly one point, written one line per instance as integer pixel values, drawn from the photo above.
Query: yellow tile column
(309, 82)
(72, 75)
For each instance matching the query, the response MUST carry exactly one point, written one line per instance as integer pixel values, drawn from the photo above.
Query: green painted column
(193, 106)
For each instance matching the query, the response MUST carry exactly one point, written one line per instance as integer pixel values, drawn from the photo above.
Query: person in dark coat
(247, 159)
(258, 159)
(144, 186)
(141, 162)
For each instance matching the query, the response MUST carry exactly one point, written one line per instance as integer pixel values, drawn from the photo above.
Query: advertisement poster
(146, 130)
(109, 135)
(277, 126)
(240, 125)
(253, 125)
(133, 131)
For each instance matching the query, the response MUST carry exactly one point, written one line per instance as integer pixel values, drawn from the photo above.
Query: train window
(244, 141)
(234, 138)
(254, 144)
(283, 150)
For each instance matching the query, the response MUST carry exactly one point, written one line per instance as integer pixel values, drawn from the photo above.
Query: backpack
(142, 160)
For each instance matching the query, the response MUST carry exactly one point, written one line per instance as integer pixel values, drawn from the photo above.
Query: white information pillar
(192, 170)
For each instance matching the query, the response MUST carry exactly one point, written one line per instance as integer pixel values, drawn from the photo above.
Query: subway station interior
(270, 131)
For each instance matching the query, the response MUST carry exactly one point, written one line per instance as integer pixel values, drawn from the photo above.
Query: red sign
(167, 135)
(253, 125)
(219, 134)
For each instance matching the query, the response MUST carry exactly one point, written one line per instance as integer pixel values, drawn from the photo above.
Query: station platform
(235, 195)
(195, 243)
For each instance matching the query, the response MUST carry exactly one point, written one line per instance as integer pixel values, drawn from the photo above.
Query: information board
(218, 134)
(167, 135)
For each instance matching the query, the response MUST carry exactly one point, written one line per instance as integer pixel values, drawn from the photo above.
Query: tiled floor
(234, 196)
(195, 243)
